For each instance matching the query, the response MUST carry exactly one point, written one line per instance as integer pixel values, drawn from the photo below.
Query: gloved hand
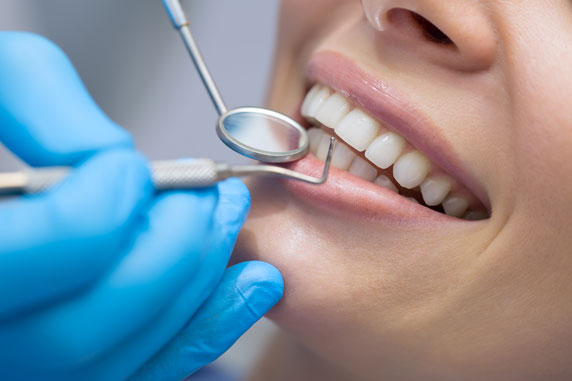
(101, 278)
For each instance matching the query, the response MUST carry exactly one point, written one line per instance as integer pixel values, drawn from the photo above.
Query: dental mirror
(262, 134)
(258, 133)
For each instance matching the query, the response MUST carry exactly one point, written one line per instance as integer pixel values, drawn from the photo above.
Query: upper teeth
(385, 150)
(411, 169)
(382, 149)
(357, 129)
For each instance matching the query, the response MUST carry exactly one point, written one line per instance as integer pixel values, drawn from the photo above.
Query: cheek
(541, 84)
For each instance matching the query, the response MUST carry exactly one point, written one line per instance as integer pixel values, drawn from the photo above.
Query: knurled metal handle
(40, 180)
(167, 175)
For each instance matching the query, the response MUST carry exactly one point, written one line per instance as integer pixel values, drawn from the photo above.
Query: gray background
(138, 71)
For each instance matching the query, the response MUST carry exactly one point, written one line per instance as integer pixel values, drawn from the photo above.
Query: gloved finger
(47, 115)
(231, 210)
(57, 243)
(165, 255)
(247, 291)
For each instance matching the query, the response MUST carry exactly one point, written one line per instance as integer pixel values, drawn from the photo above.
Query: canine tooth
(333, 110)
(411, 169)
(476, 215)
(309, 99)
(316, 102)
(315, 136)
(435, 189)
(363, 169)
(385, 149)
(384, 181)
(455, 206)
(323, 147)
(342, 156)
(357, 129)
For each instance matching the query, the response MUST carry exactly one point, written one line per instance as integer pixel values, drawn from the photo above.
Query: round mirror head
(264, 135)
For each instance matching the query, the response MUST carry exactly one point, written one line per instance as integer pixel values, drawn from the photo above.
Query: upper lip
(393, 110)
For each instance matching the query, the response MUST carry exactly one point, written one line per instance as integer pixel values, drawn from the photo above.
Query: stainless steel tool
(167, 175)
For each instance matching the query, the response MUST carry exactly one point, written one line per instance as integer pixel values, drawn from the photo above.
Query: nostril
(429, 30)
(457, 37)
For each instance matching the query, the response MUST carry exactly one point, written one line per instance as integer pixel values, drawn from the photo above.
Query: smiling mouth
(369, 150)
(391, 164)
(385, 147)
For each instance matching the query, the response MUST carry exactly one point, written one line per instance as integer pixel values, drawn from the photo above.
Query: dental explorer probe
(167, 175)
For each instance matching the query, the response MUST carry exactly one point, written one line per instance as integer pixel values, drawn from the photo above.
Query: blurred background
(137, 69)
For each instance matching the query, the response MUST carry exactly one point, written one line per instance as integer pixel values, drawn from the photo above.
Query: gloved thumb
(246, 292)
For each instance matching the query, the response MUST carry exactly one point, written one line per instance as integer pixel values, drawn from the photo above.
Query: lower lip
(346, 194)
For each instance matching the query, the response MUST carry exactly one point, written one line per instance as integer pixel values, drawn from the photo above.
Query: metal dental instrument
(258, 133)
(167, 175)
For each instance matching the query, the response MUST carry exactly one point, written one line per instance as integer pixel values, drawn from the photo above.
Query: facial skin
(374, 299)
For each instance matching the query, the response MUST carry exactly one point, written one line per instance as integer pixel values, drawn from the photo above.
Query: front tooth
(363, 169)
(385, 182)
(413, 199)
(315, 135)
(316, 102)
(385, 150)
(435, 189)
(357, 129)
(411, 169)
(333, 110)
(455, 206)
(323, 147)
(342, 157)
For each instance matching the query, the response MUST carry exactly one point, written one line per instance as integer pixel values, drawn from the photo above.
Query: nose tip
(462, 24)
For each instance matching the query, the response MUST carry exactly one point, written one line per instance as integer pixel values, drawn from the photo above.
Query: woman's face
(468, 105)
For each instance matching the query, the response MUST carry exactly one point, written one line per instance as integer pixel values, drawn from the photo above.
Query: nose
(456, 33)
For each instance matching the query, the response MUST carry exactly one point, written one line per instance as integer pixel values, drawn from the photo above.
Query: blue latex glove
(101, 278)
